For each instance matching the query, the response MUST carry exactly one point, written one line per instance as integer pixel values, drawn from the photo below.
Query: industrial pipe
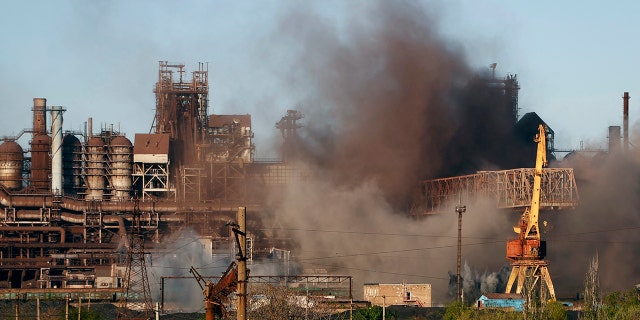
(63, 233)
(56, 150)
(78, 205)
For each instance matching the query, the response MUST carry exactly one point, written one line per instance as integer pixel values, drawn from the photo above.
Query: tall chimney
(625, 123)
(90, 129)
(614, 139)
(56, 150)
(39, 116)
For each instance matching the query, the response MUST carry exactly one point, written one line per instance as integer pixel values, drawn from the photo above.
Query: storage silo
(71, 164)
(11, 164)
(121, 162)
(40, 161)
(95, 168)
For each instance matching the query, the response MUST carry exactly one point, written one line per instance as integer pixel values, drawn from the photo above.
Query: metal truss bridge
(509, 189)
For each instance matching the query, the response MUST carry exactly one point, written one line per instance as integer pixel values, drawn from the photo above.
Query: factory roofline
(221, 120)
(497, 295)
(157, 143)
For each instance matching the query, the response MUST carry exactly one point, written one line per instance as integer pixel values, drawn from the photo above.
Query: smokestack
(625, 124)
(39, 116)
(56, 149)
(90, 129)
(614, 139)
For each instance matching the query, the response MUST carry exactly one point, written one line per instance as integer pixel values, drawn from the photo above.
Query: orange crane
(215, 295)
(528, 251)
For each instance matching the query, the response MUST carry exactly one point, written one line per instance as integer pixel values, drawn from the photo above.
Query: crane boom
(541, 161)
(528, 251)
(216, 294)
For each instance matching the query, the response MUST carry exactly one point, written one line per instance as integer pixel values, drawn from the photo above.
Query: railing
(507, 188)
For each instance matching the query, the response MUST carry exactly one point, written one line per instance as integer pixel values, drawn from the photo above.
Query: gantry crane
(215, 295)
(528, 251)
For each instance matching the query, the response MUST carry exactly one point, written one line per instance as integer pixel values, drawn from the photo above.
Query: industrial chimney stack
(56, 149)
(39, 116)
(626, 121)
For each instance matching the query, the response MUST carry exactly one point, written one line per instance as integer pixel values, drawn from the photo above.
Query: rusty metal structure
(509, 189)
(288, 126)
(69, 199)
(137, 294)
(216, 294)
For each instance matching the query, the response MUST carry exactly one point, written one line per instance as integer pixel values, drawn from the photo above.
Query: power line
(372, 233)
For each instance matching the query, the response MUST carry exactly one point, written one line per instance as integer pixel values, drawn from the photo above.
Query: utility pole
(241, 239)
(384, 307)
(460, 209)
(136, 294)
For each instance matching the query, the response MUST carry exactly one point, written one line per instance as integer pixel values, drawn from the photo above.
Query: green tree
(371, 313)
(554, 311)
(619, 305)
(85, 314)
(456, 310)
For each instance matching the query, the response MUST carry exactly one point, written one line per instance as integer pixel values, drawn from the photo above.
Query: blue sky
(99, 58)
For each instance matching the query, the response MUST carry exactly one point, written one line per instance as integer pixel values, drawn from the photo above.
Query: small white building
(405, 294)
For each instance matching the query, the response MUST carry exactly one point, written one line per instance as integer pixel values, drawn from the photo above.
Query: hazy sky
(100, 58)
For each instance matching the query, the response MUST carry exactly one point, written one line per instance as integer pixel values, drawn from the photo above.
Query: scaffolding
(153, 179)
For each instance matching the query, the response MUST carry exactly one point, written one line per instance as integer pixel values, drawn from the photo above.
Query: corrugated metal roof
(220, 120)
(151, 143)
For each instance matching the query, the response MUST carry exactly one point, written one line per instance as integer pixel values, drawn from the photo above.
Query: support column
(242, 264)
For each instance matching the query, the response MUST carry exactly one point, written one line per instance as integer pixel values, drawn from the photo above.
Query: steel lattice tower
(136, 297)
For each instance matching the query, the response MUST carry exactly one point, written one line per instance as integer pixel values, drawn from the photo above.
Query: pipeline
(61, 230)
(45, 200)
(122, 231)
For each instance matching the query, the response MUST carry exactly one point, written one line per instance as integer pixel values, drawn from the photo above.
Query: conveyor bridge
(509, 189)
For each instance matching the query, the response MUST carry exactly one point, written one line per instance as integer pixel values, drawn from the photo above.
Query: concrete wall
(398, 294)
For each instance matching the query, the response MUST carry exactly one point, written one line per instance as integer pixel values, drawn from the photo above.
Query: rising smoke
(183, 251)
(389, 100)
(605, 223)
(388, 103)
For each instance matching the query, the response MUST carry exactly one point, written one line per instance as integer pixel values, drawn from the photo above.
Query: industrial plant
(69, 198)
(80, 211)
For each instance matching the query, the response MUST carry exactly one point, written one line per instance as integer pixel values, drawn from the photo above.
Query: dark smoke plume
(387, 103)
(605, 223)
(390, 100)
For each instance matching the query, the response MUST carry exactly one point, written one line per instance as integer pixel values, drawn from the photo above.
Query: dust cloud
(388, 102)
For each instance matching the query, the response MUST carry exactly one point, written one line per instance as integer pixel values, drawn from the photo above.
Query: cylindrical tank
(11, 163)
(39, 116)
(120, 151)
(40, 161)
(71, 164)
(95, 168)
